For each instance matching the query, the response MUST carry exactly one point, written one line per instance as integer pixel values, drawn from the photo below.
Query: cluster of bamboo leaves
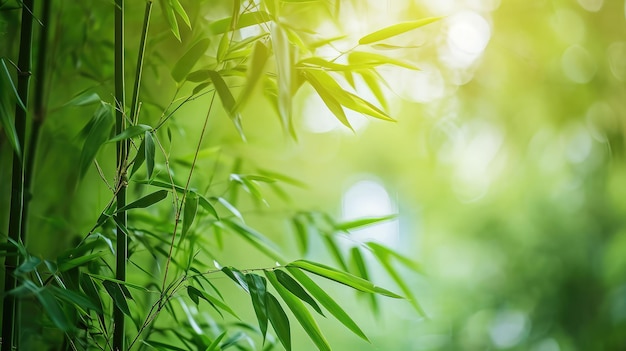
(169, 225)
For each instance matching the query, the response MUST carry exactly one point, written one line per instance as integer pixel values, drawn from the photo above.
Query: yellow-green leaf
(395, 29)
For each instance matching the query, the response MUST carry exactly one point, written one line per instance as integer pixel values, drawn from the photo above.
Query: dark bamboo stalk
(10, 327)
(122, 152)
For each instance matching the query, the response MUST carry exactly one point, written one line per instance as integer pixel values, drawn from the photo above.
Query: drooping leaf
(360, 58)
(101, 125)
(145, 201)
(228, 101)
(278, 319)
(131, 132)
(395, 29)
(91, 290)
(76, 298)
(189, 213)
(150, 151)
(245, 20)
(325, 300)
(333, 248)
(117, 294)
(237, 277)
(139, 158)
(260, 55)
(53, 309)
(329, 98)
(180, 11)
(362, 222)
(258, 290)
(204, 203)
(300, 312)
(342, 277)
(170, 16)
(83, 99)
(256, 239)
(216, 303)
(373, 83)
(288, 282)
(284, 56)
(215, 344)
(382, 251)
(302, 236)
(5, 72)
(358, 265)
(67, 264)
(189, 59)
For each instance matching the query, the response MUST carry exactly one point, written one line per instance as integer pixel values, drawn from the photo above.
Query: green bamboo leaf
(260, 55)
(180, 11)
(139, 158)
(204, 203)
(117, 294)
(150, 151)
(258, 240)
(302, 233)
(162, 346)
(53, 309)
(131, 132)
(325, 300)
(237, 277)
(215, 344)
(198, 76)
(91, 291)
(213, 301)
(189, 59)
(318, 62)
(258, 290)
(395, 29)
(302, 314)
(329, 98)
(76, 298)
(362, 222)
(6, 74)
(101, 125)
(7, 123)
(284, 55)
(288, 282)
(227, 205)
(360, 58)
(30, 264)
(333, 248)
(278, 319)
(382, 251)
(66, 265)
(170, 16)
(245, 20)
(83, 99)
(373, 83)
(145, 201)
(189, 213)
(342, 277)
(228, 101)
(163, 185)
(199, 88)
(358, 265)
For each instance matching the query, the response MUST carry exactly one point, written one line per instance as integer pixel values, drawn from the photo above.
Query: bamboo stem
(122, 152)
(10, 325)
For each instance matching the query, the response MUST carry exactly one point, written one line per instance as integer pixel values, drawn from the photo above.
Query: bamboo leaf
(170, 16)
(215, 344)
(358, 264)
(362, 222)
(228, 101)
(76, 298)
(53, 309)
(139, 158)
(288, 282)
(342, 277)
(237, 277)
(189, 59)
(302, 234)
(189, 213)
(6, 73)
(329, 98)
(180, 11)
(369, 59)
(101, 124)
(131, 132)
(245, 20)
(117, 294)
(260, 55)
(232, 209)
(373, 83)
(145, 201)
(66, 265)
(215, 302)
(334, 250)
(300, 312)
(395, 29)
(83, 99)
(258, 240)
(382, 251)
(284, 56)
(204, 203)
(162, 346)
(91, 291)
(325, 300)
(278, 319)
(258, 290)
(150, 151)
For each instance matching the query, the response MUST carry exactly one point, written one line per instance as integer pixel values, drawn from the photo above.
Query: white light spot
(368, 198)
(467, 38)
(616, 53)
(508, 328)
(568, 26)
(591, 5)
(578, 65)
(421, 86)
(579, 145)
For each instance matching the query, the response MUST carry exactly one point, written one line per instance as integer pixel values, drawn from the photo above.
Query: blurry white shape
(568, 25)
(547, 345)
(591, 5)
(420, 86)
(317, 117)
(508, 328)
(578, 65)
(250, 31)
(616, 53)
(579, 144)
(600, 119)
(474, 160)
(368, 198)
(467, 37)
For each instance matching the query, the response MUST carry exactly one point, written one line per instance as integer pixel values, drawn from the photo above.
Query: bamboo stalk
(10, 326)
(122, 151)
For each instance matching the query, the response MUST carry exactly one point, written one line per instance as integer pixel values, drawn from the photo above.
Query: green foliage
(165, 216)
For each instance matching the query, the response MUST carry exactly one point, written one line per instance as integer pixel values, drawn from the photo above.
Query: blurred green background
(506, 166)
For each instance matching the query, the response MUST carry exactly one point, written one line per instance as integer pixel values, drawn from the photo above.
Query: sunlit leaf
(145, 201)
(206, 205)
(342, 277)
(382, 251)
(258, 290)
(279, 320)
(131, 132)
(255, 72)
(284, 56)
(237, 277)
(395, 29)
(245, 20)
(228, 101)
(362, 222)
(300, 312)
(288, 282)
(170, 16)
(329, 99)
(215, 344)
(325, 300)
(301, 230)
(360, 58)
(189, 59)
(180, 11)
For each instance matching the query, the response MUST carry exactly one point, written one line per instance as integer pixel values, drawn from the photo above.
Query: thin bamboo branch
(10, 311)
